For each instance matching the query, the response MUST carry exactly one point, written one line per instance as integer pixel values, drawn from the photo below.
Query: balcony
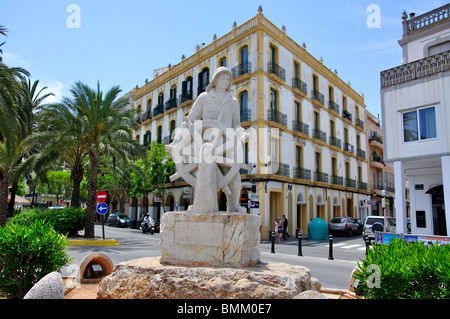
(333, 106)
(241, 69)
(422, 68)
(319, 135)
(334, 141)
(301, 127)
(349, 148)
(350, 183)
(159, 109)
(337, 180)
(279, 169)
(172, 103)
(320, 177)
(278, 117)
(317, 96)
(360, 153)
(347, 115)
(302, 173)
(185, 97)
(426, 20)
(273, 68)
(359, 123)
(376, 142)
(299, 85)
(362, 186)
(246, 116)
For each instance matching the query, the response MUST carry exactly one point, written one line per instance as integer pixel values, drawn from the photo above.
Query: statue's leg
(233, 198)
(205, 199)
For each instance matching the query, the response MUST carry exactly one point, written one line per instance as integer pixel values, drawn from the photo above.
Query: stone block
(210, 239)
(50, 286)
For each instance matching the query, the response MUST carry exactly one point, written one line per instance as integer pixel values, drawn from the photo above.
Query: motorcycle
(148, 225)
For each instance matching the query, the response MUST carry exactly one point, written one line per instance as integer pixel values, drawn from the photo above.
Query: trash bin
(318, 229)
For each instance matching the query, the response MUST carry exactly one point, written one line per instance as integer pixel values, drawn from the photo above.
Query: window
(245, 114)
(298, 111)
(273, 99)
(419, 124)
(272, 55)
(223, 62)
(298, 156)
(436, 49)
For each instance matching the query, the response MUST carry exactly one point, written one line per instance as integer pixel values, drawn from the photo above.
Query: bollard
(272, 250)
(367, 240)
(330, 250)
(299, 236)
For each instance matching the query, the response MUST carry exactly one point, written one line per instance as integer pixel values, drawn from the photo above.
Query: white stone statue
(208, 148)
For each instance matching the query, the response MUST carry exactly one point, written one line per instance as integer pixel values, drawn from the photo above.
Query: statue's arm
(196, 110)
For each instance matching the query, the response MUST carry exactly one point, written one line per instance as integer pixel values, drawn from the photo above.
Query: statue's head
(220, 72)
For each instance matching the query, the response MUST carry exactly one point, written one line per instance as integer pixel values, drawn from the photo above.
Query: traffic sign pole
(102, 209)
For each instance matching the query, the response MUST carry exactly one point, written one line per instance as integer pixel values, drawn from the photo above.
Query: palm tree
(106, 131)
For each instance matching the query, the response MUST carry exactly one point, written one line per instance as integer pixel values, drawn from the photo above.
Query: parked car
(378, 224)
(119, 220)
(343, 225)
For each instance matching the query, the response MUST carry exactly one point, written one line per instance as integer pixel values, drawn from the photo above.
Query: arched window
(223, 62)
(273, 100)
(203, 80)
(244, 67)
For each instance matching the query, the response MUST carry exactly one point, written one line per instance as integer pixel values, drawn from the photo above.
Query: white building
(415, 102)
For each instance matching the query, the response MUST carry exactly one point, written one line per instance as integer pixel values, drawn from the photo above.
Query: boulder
(146, 278)
(49, 287)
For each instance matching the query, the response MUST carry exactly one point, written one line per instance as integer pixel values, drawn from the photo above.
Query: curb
(93, 242)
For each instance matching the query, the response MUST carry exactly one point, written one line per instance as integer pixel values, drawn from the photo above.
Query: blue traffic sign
(102, 208)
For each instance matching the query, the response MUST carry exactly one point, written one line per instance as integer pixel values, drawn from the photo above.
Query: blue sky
(122, 42)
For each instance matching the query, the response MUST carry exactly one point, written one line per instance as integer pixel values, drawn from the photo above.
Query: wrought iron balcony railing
(246, 115)
(337, 180)
(276, 69)
(301, 127)
(299, 84)
(319, 135)
(349, 148)
(241, 69)
(276, 116)
(333, 106)
(361, 153)
(159, 109)
(316, 95)
(416, 70)
(302, 173)
(347, 115)
(350, 183)
(281, 169)
(362, 186)
(185, 97)
(334, 141)
(359, 123)
(320, 177)
(172, 103)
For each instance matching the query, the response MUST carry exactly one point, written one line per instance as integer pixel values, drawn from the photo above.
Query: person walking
(278, 226)
(285, 228)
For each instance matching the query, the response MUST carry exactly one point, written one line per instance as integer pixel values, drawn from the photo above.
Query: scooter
(148, 225)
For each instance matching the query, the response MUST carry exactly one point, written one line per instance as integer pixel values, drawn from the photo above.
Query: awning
(19, 200)
(435, 190)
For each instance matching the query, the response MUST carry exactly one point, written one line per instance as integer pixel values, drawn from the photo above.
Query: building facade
(415, 101)
(307, 145)
(381, 175)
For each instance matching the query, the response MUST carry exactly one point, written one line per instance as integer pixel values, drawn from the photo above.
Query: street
(331, 273)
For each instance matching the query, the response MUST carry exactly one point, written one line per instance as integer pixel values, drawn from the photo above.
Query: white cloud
(13, 60)
(55, 87)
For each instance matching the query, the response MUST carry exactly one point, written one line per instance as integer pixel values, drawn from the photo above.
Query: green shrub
(68, 220)
(27, 254)
(403, 270)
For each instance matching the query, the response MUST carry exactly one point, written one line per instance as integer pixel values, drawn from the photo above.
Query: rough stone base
(146, 278)
(219, 239)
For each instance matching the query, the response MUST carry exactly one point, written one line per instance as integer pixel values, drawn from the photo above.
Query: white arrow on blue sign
(102, 208)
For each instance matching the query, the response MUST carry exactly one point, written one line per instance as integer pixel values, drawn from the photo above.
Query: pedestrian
(285, 228)
(278, 229)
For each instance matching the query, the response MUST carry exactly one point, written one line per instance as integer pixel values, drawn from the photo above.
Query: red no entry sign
(101, 196)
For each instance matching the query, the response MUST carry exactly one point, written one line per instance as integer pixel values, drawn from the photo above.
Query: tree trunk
(3, 198)
(77, 177)
(91, 202)
(12, 199)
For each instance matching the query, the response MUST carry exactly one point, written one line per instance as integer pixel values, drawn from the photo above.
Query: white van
(378, 224)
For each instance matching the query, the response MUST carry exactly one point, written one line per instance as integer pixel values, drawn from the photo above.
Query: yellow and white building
(308, 146)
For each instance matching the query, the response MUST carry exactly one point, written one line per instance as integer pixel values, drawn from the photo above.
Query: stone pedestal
(219, 239)
(146, 278)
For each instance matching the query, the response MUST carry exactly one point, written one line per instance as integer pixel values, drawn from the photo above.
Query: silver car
(379, 224)
(343, 225)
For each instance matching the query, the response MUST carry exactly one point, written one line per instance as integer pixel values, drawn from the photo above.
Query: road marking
(351, 246)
